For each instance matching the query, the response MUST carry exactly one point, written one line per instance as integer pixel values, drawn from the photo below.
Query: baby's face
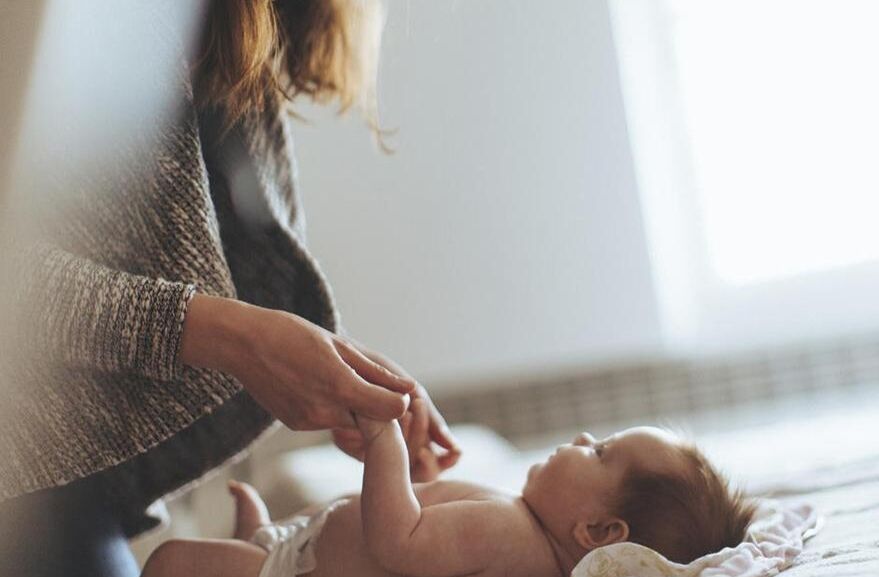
(583, 477)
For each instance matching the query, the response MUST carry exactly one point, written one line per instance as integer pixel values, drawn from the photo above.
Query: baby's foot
(250, 511)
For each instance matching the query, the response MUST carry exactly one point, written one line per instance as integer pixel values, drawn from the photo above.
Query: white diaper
(291, 543)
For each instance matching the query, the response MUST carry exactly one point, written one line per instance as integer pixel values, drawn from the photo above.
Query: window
(755, 132)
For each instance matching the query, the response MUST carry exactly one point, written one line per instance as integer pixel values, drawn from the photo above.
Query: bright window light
(781, 103)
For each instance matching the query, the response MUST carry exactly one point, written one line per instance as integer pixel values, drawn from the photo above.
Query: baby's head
(643, 485)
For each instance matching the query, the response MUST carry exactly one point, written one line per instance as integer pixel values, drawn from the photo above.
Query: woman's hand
(303, 375)
(427, 423)
(424, 465)
(424, 462)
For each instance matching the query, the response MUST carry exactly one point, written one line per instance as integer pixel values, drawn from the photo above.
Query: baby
(643, 485)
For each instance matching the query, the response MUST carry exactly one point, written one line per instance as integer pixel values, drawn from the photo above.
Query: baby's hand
(370, 428)
(424, 456)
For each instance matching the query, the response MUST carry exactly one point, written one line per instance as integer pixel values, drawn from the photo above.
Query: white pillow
(773, 541)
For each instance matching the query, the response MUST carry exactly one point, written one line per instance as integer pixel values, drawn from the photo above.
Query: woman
(176, 311)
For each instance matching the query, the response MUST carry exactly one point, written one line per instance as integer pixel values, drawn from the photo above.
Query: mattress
(826, 453)
(848, 544)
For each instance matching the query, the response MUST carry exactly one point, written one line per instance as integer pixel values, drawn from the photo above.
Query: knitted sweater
(106, 300)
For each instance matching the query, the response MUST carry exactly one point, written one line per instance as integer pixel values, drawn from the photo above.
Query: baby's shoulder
(523, 549)
(503, 523)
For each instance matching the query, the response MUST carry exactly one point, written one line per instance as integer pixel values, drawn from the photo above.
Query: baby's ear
(594, 535)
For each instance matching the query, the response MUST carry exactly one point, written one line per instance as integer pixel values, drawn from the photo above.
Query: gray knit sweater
(107, 300)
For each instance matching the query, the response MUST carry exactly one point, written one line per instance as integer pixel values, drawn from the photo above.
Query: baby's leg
(205, 558)
(250, 511)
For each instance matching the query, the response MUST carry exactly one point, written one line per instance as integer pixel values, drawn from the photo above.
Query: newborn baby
(643, 485)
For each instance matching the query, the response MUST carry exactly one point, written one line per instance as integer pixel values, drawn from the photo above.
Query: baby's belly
(341, 548)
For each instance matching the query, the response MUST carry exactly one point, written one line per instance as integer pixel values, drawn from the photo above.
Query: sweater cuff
(89, 315)
(156, 323)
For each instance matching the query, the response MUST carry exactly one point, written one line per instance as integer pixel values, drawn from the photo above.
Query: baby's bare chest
(341, 548)
(439, 492)
(342, 551)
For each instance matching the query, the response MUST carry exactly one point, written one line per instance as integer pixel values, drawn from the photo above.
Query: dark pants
(66, 531)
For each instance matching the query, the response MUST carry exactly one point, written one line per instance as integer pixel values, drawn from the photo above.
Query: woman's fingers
(429, 463)
(425, 466)
(361, 396)
(371, 371)
(438, 430)
(335, 416)
(418, 431)
(448, 459)
(372, 401)
(406, 423)
(441, 434)
(309, 378)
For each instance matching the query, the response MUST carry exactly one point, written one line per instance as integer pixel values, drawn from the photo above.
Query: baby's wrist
(370, 428)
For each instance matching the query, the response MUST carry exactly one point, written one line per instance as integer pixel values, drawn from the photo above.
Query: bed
(825, 451)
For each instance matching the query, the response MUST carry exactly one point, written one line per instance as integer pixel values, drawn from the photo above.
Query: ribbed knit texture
(105, 299)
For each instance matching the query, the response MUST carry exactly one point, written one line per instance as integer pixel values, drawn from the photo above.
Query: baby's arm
(440, 540)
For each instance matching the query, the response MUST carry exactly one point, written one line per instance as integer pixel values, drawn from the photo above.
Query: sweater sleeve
(85, 314)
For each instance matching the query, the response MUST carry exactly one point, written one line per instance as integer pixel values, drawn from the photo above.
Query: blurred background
(597, 213)
(585, 181)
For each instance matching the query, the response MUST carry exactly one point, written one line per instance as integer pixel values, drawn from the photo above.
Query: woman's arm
(85, 314)
(304, 375)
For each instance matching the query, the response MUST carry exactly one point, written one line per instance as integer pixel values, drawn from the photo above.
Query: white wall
(505, 234)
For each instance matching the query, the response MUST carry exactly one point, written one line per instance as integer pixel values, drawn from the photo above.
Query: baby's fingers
(370, 428)
(350, 441)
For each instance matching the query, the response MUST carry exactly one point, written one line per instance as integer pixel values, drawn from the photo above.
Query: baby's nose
(584, 439)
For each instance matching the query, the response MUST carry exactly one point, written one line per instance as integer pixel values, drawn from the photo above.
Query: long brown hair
(325, 49)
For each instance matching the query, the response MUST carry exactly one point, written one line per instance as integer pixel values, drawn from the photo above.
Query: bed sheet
(827, 454)
(824, 451)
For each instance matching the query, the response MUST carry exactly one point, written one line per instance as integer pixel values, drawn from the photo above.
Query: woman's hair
(684, 516)
(325, 49)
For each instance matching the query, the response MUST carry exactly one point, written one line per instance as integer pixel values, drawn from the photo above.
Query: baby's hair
(686, 515)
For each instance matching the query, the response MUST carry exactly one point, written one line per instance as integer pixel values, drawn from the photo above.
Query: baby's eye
(599, 450)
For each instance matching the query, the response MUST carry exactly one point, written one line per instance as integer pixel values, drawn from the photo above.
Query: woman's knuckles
(396, 406)
(326, 417)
